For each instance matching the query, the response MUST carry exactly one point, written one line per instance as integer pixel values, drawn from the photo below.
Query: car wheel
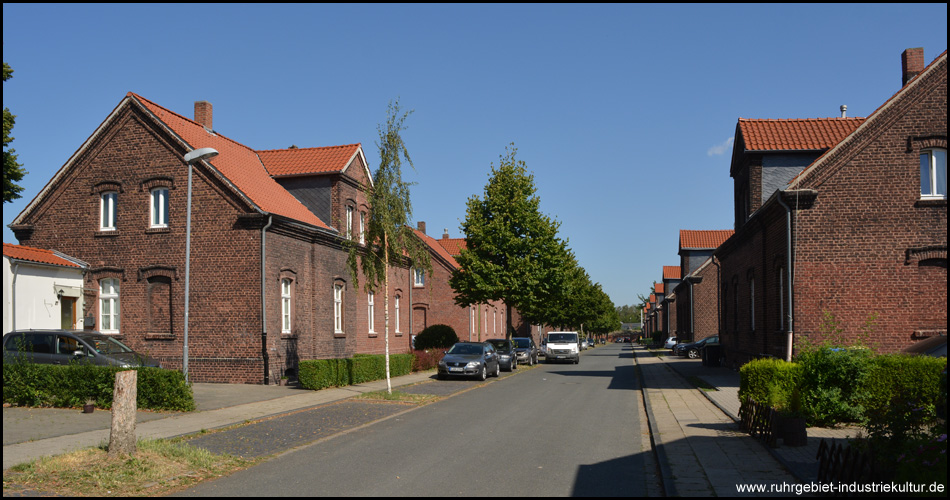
(441, 376)
(693, 353)
(498, 369)
(514, 364)
(483, 376)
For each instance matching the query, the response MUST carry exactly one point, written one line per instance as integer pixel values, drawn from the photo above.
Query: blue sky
(624, 113)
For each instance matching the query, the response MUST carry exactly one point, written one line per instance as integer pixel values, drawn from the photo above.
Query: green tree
(388, 237)
(513, 253)
(12, 171)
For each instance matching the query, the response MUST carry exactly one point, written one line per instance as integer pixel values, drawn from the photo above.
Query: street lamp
(191, 158)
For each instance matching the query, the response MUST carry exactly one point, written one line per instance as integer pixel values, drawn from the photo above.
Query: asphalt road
(555, 430)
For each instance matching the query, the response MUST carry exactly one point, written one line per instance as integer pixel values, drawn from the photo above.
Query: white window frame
(396, 307)
(419, 280)
(158, 207)
(371, 311)
(338, 308)
(362, 228)
(349, 222)
(928, 161)
(107, 210)
(285, 305)
(109, 305)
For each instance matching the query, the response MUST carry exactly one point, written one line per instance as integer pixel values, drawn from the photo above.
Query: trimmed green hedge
(322, 373)
(68, 386)
(839, 386)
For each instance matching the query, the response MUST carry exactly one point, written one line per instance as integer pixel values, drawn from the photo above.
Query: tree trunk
(122, 432)
(389, 384)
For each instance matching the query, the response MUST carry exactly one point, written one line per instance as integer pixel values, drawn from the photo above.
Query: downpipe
(270, 220)
(788, 270)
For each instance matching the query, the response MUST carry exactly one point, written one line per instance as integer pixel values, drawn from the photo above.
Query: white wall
(37, 305)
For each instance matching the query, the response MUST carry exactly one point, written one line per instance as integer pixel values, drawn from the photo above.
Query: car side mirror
(78, 353)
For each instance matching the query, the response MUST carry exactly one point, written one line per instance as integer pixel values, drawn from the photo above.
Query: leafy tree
(12, 171)
(513, 253)
(387, 234)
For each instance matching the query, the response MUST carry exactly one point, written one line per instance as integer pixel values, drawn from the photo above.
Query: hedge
(769, 381)
(322, 373)
(69, 386)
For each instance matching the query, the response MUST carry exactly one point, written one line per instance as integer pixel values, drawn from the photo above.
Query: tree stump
(122, 434)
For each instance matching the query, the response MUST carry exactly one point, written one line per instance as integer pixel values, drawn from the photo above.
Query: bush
(769, 381)
(902, 395)
(833, 384)
(436, 337)
(70, 386)
(319, 374)
(426, 360)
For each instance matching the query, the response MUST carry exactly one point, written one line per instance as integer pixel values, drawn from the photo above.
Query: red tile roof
(707, 239)
(238, 163)
(659, 288)
(304, 161)
(437, 248)
(671, 272)
(36, 255)
(795, 134)
(453, 245)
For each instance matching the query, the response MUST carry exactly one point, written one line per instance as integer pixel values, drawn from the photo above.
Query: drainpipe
(788, 227)
(270, 219)
(16, 265)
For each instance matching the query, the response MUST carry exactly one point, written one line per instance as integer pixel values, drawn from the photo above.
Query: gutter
(270, 220)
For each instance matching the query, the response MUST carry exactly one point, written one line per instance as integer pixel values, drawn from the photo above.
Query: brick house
(697, 294)
(671, 278)
(862, 228)
(269, 284)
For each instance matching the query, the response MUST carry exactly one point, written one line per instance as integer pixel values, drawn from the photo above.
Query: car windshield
(501, 345)
(562, 337)
(522, 342)
(465, 349)
(106, 345)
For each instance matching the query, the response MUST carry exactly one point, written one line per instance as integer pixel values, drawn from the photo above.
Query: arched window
(159, 207)
(933, 173)
(109, 305)
(338, 308)
(107, 208)
(285, 305)
(371, 311)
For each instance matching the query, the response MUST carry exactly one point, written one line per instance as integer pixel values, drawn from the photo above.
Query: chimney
(203, 114)
(912, 63)
(422, 227)
(445, 234)
(844, 110)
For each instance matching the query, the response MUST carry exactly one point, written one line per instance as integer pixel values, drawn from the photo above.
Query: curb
(666, 475)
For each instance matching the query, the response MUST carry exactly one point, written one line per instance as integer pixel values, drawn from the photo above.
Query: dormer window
(933, 174)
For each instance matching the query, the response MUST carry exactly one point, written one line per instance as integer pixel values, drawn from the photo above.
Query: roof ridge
(309, 148)
(801, 119)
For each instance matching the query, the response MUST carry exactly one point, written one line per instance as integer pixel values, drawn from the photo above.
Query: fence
(758, 420)
(840, 463)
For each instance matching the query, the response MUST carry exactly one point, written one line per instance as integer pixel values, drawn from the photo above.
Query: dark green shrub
(316, 374)
(902, 394)
(69, 386)
(319, 374)
(436, 337)
(833, 384)
(769, 381)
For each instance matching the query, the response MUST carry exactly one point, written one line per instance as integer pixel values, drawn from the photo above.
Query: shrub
(833, 384)
(427, 359)
(902, 395)
(436, 337)
(316, 374)
(319, 374)
(769, 381)
(68, 386)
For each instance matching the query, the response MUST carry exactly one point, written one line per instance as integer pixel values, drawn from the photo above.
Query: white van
(562, 346)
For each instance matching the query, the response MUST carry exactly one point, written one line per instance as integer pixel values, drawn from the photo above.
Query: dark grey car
(468, 359)
(61, 347)
(507, 357)
(526, 350)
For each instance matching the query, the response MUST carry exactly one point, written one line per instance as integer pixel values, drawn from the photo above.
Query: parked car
(563, 346)
(670, 343)
(694, 350)
(468, 359)
(62, 347)
(584, 344)
(507, 358)
(542, 350)
(526, 351)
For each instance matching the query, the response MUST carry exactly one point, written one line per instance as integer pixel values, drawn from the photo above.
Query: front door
(68, 313)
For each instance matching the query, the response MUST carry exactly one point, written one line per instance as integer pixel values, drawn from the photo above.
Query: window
(338, 308)
(396, 305)
(159, 207)
(285, 305)
(107, 208)
(362, 228)
(109, 305)
(371, 311)
(933, 173)
(349, 222)
(159, 298)
(420, 277)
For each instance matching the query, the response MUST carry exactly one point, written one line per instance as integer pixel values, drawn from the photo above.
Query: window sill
(106, 233)
(159, 336)
(931, 202)
(285, 335)
(339, 335)
(158, 230)
(373, 335)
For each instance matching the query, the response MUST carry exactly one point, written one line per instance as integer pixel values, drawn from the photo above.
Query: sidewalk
(29, 434)
(697, 437)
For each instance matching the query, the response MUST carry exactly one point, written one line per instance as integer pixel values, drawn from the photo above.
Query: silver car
(466, 359)
(62, 347)
(526, 351)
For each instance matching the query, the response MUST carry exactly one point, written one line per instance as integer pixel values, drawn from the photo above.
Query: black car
(507, 357)
(477, 359)
(62, 347)
(526, 350)
(694, 350)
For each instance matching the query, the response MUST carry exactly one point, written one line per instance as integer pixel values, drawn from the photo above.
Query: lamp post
(191, 158)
